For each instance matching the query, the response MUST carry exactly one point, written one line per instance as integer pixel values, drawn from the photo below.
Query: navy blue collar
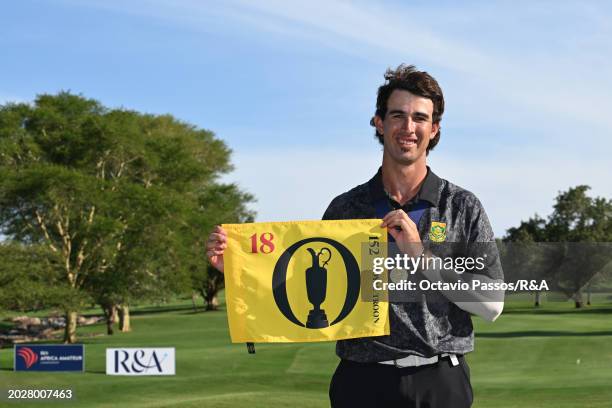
(429, 191)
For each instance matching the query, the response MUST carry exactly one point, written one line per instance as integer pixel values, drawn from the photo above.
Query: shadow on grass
(203, 310)
(134, 311)
(542, 333)
(544, 311)
(145, 310)
(186, 309)
(160, 309)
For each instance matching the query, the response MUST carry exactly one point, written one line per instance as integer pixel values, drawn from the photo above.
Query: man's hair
(420, 83)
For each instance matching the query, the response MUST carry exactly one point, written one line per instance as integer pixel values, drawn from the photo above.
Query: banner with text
(140, 361)
(49, 357)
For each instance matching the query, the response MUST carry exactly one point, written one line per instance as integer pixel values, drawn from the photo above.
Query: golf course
(554, 356)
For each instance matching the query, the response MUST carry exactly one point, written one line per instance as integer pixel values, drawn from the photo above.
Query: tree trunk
(210, 299)
(537, 298)
(589, 296)
(70, 329)
(193, 302)
(578, 299)
(212, 286)
(211, 302)
(124, 318)
(110, 315)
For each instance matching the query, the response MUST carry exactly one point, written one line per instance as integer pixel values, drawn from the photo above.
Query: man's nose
(408, 125)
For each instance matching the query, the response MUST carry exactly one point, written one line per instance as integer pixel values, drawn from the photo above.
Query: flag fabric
(303, 281)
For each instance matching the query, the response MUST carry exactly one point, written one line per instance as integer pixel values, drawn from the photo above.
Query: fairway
(553, 357)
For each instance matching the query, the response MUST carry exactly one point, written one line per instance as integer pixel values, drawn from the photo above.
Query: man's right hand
(215, 246)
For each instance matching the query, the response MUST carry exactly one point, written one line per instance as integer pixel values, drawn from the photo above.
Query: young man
(420, 364)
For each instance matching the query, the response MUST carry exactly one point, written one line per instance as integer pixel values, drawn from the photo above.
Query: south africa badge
(437, 232)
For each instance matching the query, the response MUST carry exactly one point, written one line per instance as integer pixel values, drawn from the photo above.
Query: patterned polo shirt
(421, 328)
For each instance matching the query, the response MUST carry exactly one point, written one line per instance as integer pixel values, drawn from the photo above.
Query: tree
(576, 236)
(30, 278)
(219, 205)
(95, 184)
(65, 210)
(578, 218)
(527, 255)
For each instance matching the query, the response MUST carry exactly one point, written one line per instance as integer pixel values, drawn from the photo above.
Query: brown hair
(420, 83)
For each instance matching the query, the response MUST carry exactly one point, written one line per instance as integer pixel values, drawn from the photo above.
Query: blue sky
(291, 86)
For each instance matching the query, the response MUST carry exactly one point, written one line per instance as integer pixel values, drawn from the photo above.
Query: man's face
(407, 127)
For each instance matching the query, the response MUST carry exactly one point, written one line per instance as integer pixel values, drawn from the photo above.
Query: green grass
(528, 358)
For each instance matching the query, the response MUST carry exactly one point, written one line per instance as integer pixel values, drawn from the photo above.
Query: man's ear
(435, 127)
(378, 122)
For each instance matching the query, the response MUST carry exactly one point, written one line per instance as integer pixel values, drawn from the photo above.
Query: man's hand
(404, 231)
(215, 246)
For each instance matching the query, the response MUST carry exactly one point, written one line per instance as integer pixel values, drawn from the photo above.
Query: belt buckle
(409, 363)
(415, 361)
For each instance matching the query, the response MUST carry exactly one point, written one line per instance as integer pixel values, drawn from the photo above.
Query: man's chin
(407, 161)
(407, 157)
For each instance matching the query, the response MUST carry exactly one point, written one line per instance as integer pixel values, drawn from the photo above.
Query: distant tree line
(571, 249)
(109, 206)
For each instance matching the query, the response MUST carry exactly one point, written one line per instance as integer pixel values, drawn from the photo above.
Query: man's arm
(406, 236)
(472, 301)
(481, 243)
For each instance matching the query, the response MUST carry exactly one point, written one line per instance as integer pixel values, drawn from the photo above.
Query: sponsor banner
(140, 361)
(49, 357)
(301, 281)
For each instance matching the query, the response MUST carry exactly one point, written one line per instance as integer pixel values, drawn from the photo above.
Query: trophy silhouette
(316, 287)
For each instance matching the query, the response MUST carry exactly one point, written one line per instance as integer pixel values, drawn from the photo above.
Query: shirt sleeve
(481, 241)
(332, 212)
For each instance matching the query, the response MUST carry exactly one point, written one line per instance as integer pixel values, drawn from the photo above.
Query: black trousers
(373, 385)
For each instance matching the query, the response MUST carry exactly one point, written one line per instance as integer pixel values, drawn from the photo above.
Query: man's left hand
(404, 231)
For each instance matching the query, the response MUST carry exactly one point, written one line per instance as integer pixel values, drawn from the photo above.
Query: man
(420, 364)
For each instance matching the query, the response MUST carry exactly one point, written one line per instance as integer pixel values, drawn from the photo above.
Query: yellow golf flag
(302, 281)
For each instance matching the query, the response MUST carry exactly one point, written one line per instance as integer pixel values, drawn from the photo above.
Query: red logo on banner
(28, 355)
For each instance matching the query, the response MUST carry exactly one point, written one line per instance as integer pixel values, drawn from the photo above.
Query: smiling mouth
(407, 142)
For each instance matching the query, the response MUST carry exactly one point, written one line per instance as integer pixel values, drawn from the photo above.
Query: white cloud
(558, 76)
(536, 75)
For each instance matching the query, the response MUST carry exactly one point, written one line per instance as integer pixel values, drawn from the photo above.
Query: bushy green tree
(112, 193)
(31, 279)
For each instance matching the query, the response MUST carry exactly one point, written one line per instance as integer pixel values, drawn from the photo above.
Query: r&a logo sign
(140, 361)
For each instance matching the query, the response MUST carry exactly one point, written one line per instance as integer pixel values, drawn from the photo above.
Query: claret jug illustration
(316, 287)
